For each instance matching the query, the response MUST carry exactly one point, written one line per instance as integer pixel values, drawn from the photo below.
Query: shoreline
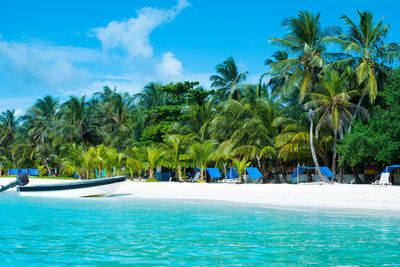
(385, 199)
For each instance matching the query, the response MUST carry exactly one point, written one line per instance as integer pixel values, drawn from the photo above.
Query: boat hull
(88, 188)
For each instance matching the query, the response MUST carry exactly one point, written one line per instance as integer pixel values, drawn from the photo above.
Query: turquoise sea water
(118, 230)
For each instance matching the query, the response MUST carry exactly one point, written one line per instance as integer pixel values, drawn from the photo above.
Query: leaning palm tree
(227, 80)
(364, 44)
(201, 154)
(333, 102)
(305, 39)
(313, 154)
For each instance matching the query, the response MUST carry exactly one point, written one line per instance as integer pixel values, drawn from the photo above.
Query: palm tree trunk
(13, 159)
(284, 179)
(47, 166)
(356, 111)
(224, 164)
(341, 177)
(334, 153)
(140, 175)
(314, 155)
(179, 173)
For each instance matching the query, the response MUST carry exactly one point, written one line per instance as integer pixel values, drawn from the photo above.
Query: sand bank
(303, 195)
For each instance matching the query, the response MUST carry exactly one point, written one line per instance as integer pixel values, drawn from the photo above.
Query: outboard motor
(21, 180)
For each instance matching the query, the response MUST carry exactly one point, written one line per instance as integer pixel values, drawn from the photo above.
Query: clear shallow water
(111, 231)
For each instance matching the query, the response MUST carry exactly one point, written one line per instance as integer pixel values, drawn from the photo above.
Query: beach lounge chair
(232, 176)
(195, 178)
(384, 180)
(214, 173)
(255, 174)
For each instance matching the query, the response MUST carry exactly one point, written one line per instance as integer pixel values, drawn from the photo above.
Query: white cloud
(31, 70)
(133, 34)
(19, 104)
(169, 67)
(38, 65)
(18, 112)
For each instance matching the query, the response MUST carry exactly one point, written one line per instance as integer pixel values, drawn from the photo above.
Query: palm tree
(134, 161)
(366, 50)
(100, 158)
(228, 78)
(201, 154)
(41, 118)
(175, 146)
(152, 155)
(291, 143)
(8, 129)
(152, 95)
(277, 82)
(241, 166)
(333, 102)
(305, 39)
(224, 153)
(196, 119)
(118, 116)
(77, 122)
(76, 159)
(313, 154)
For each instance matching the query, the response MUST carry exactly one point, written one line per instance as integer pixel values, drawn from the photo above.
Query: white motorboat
(86, 188)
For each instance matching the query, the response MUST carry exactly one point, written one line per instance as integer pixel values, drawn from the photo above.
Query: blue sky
(77, 47)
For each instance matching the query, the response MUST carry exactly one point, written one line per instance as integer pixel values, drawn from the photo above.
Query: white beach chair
(384, 180)
(196, 177)
(247, 179)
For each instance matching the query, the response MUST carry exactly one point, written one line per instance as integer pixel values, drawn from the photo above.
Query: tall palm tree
(228, 78)
(277, 82)
(333, 102)
(77, 122)
(197, 118)
(8, 129)
(201, 154)
(313, 154)
(305, 39)
(41, 120)
(175, 146)
(364, 45)
(118, 116)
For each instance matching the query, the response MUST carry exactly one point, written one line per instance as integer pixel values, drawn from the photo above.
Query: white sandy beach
(342, 196)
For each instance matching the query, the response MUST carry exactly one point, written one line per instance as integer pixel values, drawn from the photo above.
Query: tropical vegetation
(310, 107)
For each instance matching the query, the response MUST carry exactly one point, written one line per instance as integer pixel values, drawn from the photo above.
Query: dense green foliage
(378, 141)
(319, 76)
